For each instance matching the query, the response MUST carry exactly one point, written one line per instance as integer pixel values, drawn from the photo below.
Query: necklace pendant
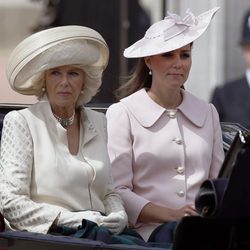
(65, 122)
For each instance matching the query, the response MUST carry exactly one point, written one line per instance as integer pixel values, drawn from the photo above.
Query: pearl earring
(82, 92)
(43, 89)
(150, 72)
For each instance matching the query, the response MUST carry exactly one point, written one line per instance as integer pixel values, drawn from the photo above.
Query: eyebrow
(186, 50)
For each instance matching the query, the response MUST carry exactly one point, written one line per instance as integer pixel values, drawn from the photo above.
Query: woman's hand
(189, 210)
(74, 219)
(158, 214)
(115, 221)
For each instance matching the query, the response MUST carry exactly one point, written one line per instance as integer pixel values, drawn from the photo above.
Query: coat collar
(44, 108)
(147, 112)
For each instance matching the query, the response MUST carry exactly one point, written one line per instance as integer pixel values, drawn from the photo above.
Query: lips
(64, 93)
(176, 74)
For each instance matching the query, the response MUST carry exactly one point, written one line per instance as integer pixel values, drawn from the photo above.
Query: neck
(168, 100)
(65, 122)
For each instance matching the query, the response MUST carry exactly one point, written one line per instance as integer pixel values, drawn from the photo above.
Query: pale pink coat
(162, 158)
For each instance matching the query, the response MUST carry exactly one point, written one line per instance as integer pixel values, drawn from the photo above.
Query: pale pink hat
(171, 33)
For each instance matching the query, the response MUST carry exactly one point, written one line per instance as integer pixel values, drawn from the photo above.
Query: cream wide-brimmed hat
(171, 33)
(54, 47)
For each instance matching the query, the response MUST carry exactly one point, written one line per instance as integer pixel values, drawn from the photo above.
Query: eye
(54, 72)
(186, 55)
(74, 73)
(183, 55)
(167, 55)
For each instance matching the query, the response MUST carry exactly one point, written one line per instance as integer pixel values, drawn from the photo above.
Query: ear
(147, 61)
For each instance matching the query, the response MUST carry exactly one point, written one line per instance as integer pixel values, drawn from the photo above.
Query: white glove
(115, 221)
(74, 219)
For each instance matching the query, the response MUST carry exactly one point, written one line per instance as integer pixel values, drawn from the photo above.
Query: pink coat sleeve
(120, 141)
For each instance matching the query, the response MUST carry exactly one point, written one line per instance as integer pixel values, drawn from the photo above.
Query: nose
(177, 62)
(64, 79)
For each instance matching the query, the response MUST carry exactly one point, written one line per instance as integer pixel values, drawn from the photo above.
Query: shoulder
(118, 116)
(136, 106)
(134, 100)
(190, 100)
(95, 118)
(115, 108)
(200, 113)
(14, 116)
(38, 111)
(14, 123)
(31, 115)
(94, 115)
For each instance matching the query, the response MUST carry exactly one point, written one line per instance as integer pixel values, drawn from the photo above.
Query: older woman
(163, 141)
(55, 168)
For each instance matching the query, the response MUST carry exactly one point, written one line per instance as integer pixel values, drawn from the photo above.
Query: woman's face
(64, 85)
(172, 68)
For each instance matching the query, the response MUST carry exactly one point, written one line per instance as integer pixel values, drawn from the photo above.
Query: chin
(65, 104)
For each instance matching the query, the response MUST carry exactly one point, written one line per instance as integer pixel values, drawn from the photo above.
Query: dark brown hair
(138, 79)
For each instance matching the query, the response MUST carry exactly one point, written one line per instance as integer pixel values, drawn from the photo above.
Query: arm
(115, 216)
(120, 148)
(154, 213)
(16, 170)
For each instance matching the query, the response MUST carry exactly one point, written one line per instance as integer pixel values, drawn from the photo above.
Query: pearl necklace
(65, 122)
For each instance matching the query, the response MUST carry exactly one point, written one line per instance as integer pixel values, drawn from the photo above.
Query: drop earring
(82, 92)
(150, 72)
(43, 89)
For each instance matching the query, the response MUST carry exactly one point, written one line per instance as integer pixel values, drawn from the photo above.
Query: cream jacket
(40, 179)
(160, 156)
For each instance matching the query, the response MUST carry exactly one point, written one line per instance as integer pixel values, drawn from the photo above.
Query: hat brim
(158, 45)
(65, 45)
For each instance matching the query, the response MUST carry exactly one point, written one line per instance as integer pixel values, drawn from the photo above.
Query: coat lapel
(89, 130)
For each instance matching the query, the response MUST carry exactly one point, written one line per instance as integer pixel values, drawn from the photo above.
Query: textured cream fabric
(16, 170)
(41, 180)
